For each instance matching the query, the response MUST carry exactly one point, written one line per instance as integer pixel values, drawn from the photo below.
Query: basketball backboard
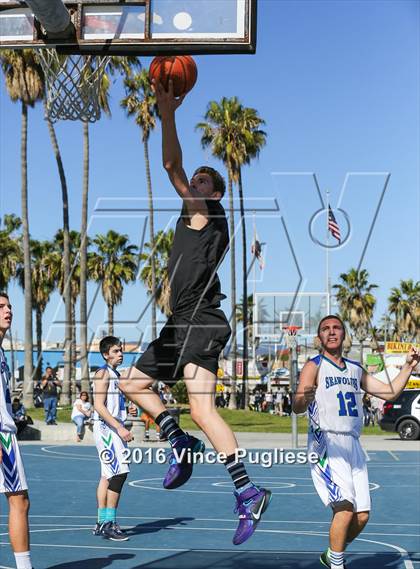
(275, 311)
(138, 27)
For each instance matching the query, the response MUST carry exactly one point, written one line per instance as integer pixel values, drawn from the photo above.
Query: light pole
(291, 341)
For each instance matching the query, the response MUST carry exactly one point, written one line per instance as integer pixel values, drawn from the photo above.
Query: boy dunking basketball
(111, 439)
(330, 389)
(12, 475)
(190, 344)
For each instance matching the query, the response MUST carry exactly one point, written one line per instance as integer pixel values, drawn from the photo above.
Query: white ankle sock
(336, 559)
(23, 560)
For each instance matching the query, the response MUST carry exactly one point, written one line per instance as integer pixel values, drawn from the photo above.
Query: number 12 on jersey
(348, 404)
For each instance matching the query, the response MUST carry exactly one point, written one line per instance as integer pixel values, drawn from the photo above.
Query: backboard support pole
(52, 14)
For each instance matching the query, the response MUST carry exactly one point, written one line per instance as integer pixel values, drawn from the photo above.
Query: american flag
(333, 225)
(256, 251)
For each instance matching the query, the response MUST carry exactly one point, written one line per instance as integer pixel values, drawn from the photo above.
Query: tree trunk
(83, 264)
(28, 367)
(245, 391)
(234, 345)
(110, 319)
(152, 236)
(73, 350)
(38, 325)
(65, 394)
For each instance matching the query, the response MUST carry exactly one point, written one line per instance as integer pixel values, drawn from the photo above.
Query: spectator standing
(367, 409)
(49, 386)
(287, 408)
(251, 403)
(268, 401)
(279, 403)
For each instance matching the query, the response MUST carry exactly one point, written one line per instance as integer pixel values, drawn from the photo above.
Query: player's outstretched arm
(390, 391)
(100, 392)
(172, 152)
(171, 148)
(306, 389)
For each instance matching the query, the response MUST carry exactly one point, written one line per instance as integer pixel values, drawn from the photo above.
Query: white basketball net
(290, 337)
(72, 84)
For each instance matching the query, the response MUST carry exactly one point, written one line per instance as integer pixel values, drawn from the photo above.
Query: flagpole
(253, 298)
(327, 258)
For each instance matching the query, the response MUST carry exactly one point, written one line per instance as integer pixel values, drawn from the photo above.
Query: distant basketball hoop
(290, 333)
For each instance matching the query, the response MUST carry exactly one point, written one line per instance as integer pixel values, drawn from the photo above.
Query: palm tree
(387, 328)
(233, 134)
(10, 260)
(66, 263)
(404, 305)
(24, 83)
(162, 251)
(42, 287)
(67, 286)
(121, 64)
(219, 133)
(140, 103)
(356, 302)
(249, 316)
(114, 263)
(248, 142)
(11, 252)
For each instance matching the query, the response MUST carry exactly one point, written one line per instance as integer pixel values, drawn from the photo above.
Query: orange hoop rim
(291, 330)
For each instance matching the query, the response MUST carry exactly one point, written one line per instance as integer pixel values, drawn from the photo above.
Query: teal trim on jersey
(334, 364)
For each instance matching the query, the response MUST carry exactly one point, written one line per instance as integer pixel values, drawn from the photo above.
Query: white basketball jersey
(338, 401)
(7, 425)
(115, 400)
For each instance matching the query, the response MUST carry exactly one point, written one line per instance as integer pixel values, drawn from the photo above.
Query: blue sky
(338, 86)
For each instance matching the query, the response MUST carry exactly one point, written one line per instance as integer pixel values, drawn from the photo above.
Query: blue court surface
(192, 527)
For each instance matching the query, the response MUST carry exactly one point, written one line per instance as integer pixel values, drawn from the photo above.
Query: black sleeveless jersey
(194, 261)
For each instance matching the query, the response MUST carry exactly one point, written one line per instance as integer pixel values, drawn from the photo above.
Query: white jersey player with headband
(12, 474)
(330, 389)
(338, 399)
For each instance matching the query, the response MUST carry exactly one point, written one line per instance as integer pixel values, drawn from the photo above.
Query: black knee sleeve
(117, 482)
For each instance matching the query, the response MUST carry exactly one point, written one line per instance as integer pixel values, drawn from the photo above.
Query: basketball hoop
(290, 335)
(72, 85)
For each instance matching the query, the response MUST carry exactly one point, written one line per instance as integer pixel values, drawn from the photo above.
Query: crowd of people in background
(276, 402)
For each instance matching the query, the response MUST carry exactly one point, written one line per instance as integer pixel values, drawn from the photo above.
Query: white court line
(244, 551)
(58, 457)
(192, 528)
(95, 458)
(404, 554)
(139, 484)
(371, 464)
(64, 527)
(92, 517)
(394, 456)
(4, 566)
(48, 450)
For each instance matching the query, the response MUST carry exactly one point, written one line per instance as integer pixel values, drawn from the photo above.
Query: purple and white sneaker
(181, 461)
(250, 505)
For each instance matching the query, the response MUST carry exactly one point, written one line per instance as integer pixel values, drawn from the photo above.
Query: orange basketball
(180, 68)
